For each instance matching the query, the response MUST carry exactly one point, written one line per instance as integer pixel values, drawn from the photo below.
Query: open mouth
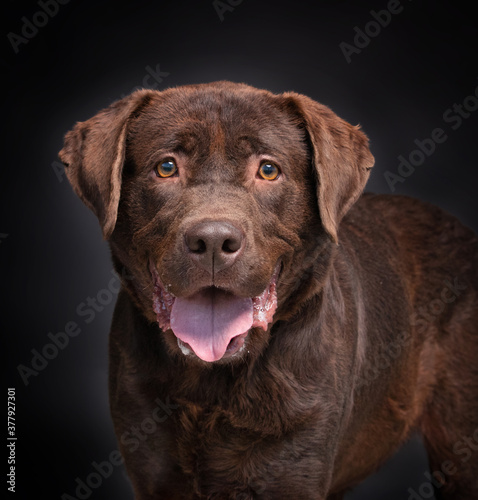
(213, 323)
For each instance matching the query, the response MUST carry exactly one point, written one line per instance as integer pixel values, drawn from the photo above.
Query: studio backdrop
(405, 70)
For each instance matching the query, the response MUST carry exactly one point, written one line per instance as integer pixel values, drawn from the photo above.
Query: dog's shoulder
(430, 246)
(412, 221)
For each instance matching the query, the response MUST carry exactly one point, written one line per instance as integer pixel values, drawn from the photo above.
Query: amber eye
(166, 168)
(268, 171)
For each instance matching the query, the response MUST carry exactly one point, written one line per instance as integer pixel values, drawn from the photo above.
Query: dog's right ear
(93, 154)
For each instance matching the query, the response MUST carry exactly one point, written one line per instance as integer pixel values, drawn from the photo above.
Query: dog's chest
(218, 456)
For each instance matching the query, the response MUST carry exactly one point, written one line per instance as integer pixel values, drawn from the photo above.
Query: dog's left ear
(93, 154)
(341, 157)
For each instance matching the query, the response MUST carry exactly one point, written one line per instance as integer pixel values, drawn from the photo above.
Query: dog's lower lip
(236, 344)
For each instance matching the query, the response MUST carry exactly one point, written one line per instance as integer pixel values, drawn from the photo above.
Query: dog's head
(217, 198)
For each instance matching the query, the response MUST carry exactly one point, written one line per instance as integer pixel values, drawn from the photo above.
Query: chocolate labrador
(281, 335)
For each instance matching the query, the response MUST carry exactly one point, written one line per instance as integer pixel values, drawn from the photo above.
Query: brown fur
(376, 330)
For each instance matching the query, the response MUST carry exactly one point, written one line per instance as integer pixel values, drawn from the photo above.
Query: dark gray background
(89, 54)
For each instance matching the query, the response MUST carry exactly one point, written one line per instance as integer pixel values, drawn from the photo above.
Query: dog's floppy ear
(341, 157)
(93, 154)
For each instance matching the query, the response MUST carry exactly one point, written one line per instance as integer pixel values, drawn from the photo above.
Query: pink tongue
(209, 320)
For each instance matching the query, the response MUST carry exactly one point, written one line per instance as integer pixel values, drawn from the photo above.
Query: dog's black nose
(214, 245)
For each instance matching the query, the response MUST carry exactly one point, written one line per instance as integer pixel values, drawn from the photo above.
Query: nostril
(195, 244)
(231, 245)
(198, 246)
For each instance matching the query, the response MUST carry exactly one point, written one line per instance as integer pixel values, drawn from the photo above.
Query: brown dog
(281, 336)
